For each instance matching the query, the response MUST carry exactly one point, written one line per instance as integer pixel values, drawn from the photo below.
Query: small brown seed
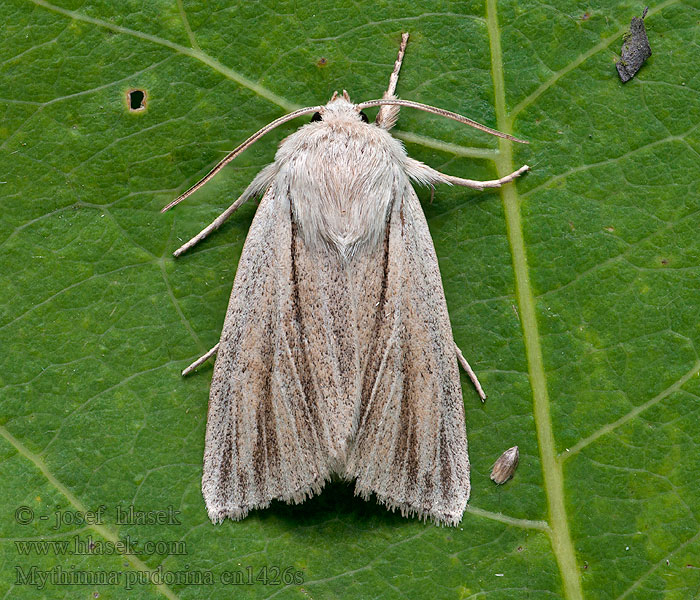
(505, 466)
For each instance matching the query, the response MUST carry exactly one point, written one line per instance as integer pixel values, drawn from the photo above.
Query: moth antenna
(234, 153)
(441, 112)
(388, 114)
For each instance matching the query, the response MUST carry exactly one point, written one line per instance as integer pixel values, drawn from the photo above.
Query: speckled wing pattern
(410, 446)
(267, 435)
(329, 364)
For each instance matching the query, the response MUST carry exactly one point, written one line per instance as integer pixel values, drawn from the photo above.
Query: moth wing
(265, 440)
(410, 447)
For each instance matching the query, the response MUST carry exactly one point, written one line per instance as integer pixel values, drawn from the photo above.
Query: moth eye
(363, 116)
(316, 117)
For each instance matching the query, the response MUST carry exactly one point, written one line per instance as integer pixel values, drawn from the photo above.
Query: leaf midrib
(559, 534)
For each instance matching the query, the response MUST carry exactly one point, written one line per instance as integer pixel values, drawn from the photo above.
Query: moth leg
(261, 182)
(427, 175)
(470, 372)
(202, 359)
(213, 226)
(491, 183)
(388, 114)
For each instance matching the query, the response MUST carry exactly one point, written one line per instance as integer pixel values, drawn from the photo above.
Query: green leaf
(574, 294)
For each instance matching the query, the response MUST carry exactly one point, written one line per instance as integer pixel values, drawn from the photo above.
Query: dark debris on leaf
(635, 49)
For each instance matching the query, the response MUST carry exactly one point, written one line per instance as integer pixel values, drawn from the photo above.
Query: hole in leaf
(136, 99)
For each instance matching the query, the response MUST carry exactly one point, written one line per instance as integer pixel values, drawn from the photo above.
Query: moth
(336, 355)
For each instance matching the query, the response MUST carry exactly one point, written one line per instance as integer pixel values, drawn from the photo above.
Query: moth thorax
(341, 191)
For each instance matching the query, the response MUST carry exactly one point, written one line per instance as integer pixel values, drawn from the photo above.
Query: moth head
(340, 108)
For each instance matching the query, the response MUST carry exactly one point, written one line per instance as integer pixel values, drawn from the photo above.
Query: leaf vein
(102, 530)
(576, 448)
